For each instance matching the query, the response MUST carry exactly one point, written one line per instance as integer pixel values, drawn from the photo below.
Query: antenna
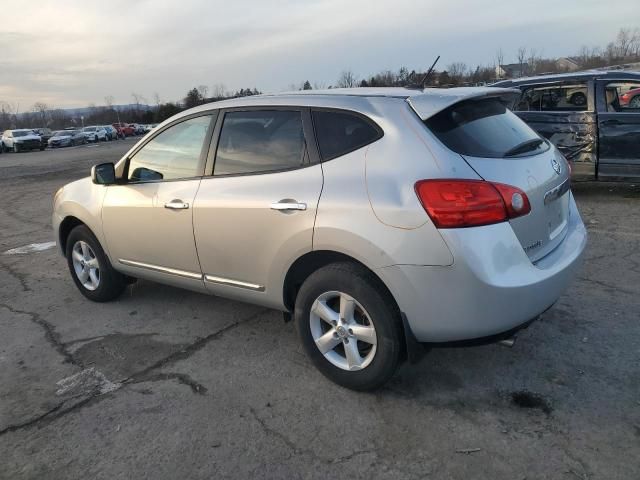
(423, 82)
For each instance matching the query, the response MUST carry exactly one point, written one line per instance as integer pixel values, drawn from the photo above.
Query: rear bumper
(492, 286)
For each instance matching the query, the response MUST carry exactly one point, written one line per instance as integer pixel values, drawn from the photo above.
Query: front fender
(81, 199)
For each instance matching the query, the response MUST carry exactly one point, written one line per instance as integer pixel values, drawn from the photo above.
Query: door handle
(176, 205)
(288, 205)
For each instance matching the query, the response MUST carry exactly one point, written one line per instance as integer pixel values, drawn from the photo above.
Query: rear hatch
(501, 148)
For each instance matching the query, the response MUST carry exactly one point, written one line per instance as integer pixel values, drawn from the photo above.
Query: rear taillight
(470, 203)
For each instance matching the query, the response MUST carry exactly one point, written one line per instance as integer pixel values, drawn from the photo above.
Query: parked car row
(26, 139)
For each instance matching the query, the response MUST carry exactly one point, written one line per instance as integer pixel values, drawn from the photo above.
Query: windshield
(89, 129)
(485, 128)
(64, 133)
(22, 133)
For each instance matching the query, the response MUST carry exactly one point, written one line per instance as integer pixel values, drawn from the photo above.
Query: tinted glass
(260, 141)
(339, 133)
(483, 128)
(554, 98)
(623, 96)
(175, 153)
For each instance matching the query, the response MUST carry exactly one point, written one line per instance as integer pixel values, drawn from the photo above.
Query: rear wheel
(90, 268)
(349, 326)
(635, 102)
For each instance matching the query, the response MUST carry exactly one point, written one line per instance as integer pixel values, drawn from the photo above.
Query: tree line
(625, 48)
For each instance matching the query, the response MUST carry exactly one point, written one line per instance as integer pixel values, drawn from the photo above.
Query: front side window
(623, 96)
(339, 133)
(260, 141)
(554, 98)
(485, 128)
(173, 154)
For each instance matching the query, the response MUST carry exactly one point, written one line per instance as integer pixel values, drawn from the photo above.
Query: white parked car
(21, 140)
(95, 133)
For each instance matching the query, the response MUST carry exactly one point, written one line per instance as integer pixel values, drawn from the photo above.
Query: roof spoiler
(434, 100)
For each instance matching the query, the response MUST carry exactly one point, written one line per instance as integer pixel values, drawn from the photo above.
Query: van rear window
(484, 128)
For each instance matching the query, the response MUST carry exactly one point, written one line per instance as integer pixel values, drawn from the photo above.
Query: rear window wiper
(523, 147)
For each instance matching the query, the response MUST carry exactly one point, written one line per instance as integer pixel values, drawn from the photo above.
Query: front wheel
(349, 326)
(16, 148)
(90, 268)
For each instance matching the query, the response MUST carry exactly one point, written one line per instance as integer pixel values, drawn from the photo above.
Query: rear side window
(554, 98)
(485, 128)
(339, 133)
(260, 141)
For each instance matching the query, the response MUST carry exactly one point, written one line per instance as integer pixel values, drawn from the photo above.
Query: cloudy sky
(70, 53)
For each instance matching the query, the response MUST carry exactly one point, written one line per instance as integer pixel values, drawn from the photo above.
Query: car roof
(560, 77)
(436, 96)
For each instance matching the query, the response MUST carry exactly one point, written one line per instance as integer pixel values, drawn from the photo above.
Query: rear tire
(367, 323)
(85, 256)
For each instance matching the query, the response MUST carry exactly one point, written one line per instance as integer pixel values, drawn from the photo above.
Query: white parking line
(32, 247)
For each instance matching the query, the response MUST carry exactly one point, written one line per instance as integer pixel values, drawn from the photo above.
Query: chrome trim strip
(158, 268)
(234, 283)
(557, 192)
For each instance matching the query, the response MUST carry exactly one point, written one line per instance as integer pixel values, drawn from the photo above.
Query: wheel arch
(312, 261)
(308, 263)
(69, 223)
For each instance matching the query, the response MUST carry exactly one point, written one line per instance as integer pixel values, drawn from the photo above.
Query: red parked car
(124, 129)
(630, 99)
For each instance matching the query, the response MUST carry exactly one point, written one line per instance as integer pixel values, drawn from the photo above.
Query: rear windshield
(485, 128)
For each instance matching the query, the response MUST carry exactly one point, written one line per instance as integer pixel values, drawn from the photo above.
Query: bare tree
(203, 90)
(347, 79)
(41, 109)
(533, 60)
(625, 42)
(457, 71)
(499, 62)
(219, 91)
(108, 101)
(522, 56)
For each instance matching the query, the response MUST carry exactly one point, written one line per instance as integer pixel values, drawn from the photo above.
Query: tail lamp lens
(470, 203)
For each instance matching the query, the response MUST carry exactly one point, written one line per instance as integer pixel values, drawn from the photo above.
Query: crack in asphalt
(138, 377)
(50, 334)
(182, 378)
(20, 277)
(304, 451)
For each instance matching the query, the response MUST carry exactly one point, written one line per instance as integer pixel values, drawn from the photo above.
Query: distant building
(512, 70)
(568, 64)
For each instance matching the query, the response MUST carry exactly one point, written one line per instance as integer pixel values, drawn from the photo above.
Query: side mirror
(103, 174)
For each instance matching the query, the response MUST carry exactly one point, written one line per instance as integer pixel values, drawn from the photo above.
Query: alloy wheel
(343, 331)
(85, 264)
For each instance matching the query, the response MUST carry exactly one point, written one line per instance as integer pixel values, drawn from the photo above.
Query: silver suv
(379, 219)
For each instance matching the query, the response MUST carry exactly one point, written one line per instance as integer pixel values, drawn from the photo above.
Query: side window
(260, 141)
(623, 96)
(173, 154)
(339, 133)
(554, 98)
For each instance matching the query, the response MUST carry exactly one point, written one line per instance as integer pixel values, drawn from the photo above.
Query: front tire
(16, 148)
(349, 326)
(90, 268)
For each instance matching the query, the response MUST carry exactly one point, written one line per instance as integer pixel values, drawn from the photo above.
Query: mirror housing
(103, 174)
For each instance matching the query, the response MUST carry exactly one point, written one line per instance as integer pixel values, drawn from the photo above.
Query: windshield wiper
(523, 147)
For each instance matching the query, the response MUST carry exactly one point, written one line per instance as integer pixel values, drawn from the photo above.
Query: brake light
(470, 203)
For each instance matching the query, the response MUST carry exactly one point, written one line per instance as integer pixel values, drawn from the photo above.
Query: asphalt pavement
(165, 383)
